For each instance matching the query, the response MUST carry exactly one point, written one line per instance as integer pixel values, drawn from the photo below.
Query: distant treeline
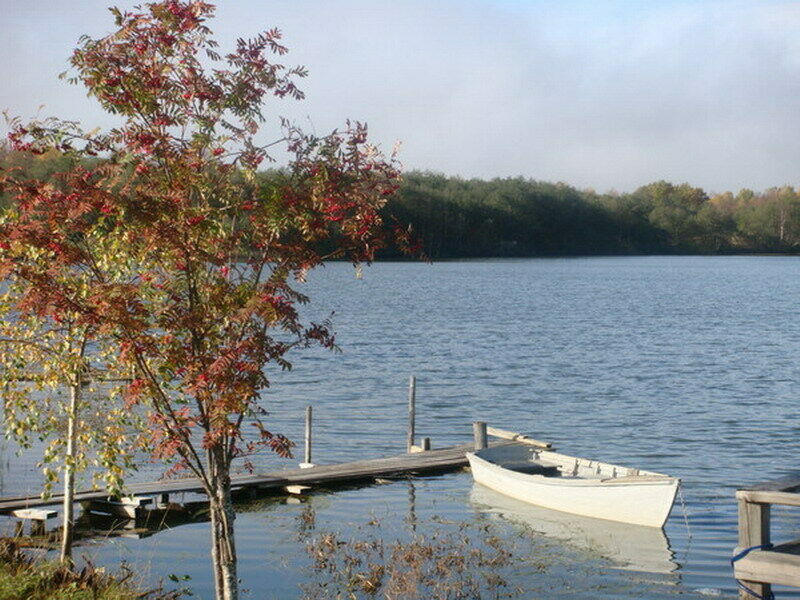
(520, 217)
(464, 218)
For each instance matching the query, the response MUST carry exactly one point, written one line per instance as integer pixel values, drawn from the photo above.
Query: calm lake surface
(681, 365)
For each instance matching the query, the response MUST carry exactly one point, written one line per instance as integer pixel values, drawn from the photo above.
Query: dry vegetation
(25, 578)
(465, 562)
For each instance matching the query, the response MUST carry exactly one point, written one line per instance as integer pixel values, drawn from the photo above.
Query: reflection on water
(412, 506)
(628, 547)
(4, 465)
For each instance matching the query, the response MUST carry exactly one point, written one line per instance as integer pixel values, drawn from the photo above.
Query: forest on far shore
(519, 217)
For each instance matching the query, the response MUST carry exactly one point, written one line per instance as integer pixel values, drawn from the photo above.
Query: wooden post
(754, 531)
(425, 444)
(479, 432)
(306, 464)
(412, 399)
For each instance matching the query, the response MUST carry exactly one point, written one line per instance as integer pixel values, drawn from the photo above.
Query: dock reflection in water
(628, 547)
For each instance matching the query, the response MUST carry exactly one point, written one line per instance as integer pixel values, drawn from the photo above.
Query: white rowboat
(575, 485)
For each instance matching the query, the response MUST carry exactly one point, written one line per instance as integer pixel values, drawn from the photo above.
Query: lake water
(681, 365)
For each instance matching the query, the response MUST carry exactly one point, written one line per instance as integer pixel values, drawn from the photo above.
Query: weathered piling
(479, 432)
(754, 532)
(757, 563)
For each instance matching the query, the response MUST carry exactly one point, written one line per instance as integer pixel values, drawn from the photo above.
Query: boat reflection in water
(629, 547)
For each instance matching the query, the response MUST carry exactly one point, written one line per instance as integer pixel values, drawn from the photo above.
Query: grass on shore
(24, 578)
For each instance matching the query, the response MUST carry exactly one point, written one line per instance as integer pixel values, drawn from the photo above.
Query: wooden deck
(780, 564)
(445, 459)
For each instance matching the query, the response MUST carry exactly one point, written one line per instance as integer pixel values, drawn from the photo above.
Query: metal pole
(308, 434)
(412, 398)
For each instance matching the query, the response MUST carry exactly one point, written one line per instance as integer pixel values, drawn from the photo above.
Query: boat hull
(645, 500)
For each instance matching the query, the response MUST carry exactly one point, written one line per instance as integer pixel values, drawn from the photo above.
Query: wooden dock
(418, 460)
(144, 500)
(430, 461)
(757, 563)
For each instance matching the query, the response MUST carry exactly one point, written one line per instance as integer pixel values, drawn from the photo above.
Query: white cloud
(603, 95)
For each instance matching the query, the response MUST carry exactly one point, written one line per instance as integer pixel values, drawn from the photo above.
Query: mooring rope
(685, 512)
(769, 595)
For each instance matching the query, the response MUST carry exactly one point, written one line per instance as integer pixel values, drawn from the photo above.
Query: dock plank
(789, 483)
(780, 565)
(440, 460)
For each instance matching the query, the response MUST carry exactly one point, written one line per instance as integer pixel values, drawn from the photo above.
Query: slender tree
(199, 289)
(52, 358)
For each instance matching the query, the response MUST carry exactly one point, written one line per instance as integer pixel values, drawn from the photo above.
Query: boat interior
(523, 458)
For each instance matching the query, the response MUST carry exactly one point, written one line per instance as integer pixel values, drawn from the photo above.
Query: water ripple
(682, 365)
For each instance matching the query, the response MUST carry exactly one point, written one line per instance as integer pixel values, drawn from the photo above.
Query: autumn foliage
(192, 267)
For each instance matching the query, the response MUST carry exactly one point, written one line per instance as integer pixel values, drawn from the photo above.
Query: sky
(600, 95)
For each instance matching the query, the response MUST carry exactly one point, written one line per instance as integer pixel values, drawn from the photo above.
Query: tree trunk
(782, 229)
(223, 546)
(68, 524)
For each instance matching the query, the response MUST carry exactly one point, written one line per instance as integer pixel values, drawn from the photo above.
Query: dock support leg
(754, 531)
(412, 400)
(38, 528)
(133, 507)
(479, 431)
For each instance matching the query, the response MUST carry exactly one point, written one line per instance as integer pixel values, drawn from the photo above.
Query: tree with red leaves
(193, 275)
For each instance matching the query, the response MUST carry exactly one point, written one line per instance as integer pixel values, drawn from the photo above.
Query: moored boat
(575, 485)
